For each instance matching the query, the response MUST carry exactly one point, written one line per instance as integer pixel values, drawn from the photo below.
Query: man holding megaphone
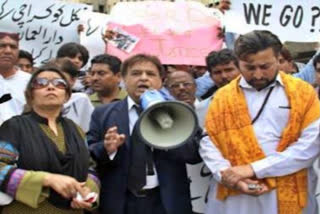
(137, 178)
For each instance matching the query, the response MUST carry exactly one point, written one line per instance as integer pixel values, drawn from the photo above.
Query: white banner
(291, 20)
(94, 27)
(43, 25)
(199, 176)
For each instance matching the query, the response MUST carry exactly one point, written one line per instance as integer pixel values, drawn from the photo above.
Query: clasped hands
(240, 178)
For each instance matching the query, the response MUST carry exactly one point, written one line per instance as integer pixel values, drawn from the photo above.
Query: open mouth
(143, 87)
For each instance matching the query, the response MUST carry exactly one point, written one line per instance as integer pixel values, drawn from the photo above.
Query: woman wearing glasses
(44, 162)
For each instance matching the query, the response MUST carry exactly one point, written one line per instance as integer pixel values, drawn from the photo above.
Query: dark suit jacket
(170, 165)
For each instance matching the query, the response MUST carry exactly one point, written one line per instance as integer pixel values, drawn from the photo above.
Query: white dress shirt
(151, 180)
(268, 129)
(17, 83)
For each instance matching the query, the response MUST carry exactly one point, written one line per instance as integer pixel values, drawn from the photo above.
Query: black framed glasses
(39, 83)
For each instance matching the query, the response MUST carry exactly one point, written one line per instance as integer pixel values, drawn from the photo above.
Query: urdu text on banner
(43, 26)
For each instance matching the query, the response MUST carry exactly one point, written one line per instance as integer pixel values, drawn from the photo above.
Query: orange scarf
(228, 124)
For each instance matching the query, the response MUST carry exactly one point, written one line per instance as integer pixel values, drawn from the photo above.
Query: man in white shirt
(223, 68)
(263, 132)
(15, 79)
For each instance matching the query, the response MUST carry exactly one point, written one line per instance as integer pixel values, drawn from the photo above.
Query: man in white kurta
(268, 130)
(259, 74)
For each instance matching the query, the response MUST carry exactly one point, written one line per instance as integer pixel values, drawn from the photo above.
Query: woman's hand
(63, 184)
(81, 204)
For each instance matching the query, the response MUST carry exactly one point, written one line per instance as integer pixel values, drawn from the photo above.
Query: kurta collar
(244, 84)
(43, 120)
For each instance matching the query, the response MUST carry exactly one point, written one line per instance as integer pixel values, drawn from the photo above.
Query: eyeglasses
(184, 84)
(39, 83)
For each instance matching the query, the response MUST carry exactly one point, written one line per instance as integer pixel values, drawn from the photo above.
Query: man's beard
(263, 85)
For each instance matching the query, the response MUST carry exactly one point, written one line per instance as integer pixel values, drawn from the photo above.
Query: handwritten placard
(291, 20)
(94, 27)
(199, 176)
(177, 32)
(189, 48)
(159, 16)
(43, 26)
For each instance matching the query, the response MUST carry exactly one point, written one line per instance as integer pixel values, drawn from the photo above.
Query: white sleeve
(213, 158)
(297, 156)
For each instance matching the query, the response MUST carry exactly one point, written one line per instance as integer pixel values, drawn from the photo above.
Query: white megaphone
(165, 124)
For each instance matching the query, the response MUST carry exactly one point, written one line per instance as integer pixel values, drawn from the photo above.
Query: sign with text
(43, 26)
(199, 176)
(291, 20)
(177, 32)
(189, 48)
(94, 25)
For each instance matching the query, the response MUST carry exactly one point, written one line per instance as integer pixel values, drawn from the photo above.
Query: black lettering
(252, 12)
(2, 11)
(90, 30)
(298, 17)
(285, 19)
(266, 14)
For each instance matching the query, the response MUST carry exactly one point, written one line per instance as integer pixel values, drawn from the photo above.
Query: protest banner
(177, 32)
(199, 176)
(291, 20)
(43, 26)
(189, 48)
(94, 25)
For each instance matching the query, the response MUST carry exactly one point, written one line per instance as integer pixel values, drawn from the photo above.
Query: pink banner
(189, 48)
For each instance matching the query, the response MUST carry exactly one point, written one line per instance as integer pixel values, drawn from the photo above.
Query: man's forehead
(13, 36)
(8, 40)
(223, 65)
(180, 75)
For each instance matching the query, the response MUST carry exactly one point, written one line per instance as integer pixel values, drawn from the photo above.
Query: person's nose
(50, 86)
(8, 49)
(94, 77)
(224, 75)
(258, 74)
(144, 76)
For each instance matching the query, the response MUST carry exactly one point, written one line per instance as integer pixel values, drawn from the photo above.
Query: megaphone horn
(165, 124)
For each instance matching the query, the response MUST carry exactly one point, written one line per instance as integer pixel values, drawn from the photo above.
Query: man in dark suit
(166, 187)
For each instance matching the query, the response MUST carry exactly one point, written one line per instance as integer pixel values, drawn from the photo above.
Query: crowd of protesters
(68, 141)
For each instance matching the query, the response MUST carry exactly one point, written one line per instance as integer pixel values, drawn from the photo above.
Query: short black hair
(316, 60)
(222, 57)
(64, 65)
(26, 55)
(71, 50)
(256, 41)
(113, 62)
(138, 58)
